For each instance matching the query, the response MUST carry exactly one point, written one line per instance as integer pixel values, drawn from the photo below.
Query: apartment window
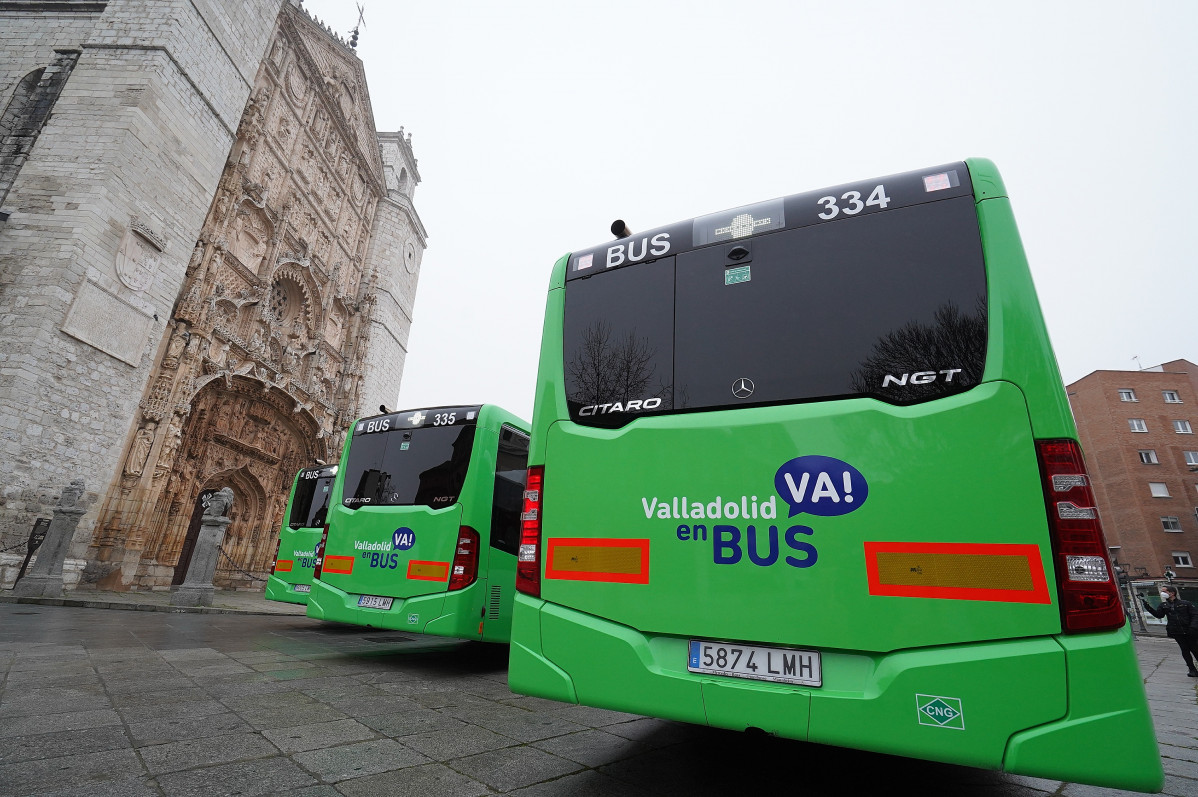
(1127, 395)
(1137, 424)
(1170, 523)
(1182, 559)
(1171, 396)
(1182, 427)
(1191, 457)
(1159, 489)
(1148, 456)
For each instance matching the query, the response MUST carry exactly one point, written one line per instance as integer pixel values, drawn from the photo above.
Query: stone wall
(104, 216)
(29, 37)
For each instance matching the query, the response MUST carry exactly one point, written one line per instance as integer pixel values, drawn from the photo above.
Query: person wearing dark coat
(1182, 623)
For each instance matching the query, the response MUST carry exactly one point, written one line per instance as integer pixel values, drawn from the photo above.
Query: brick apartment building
(1137, 432)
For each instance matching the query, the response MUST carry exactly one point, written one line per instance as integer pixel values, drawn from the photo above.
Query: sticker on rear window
(735, 276)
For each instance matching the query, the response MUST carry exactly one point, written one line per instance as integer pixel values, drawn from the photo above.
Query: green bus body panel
(925, 475)
(961, 469)
(280, 586)
(1107, 737)
(436, 537)
(412, 615)
(1019, 348)
(549, 402)
(538, 676)
(866, 701)
(366, 534)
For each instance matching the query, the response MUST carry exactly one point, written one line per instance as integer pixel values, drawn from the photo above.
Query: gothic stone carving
(258, 375)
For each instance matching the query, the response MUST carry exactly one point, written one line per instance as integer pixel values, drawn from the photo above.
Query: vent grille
(493, 608)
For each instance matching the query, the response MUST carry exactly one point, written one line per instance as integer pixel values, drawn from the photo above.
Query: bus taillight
(278, 547)
(1089, 594)
(528, 562)
(324, 538)
(465, 559)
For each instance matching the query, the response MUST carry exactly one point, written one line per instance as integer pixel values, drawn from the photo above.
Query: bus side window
(510, 468)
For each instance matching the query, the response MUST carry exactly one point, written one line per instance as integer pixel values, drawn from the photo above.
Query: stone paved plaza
(105, 702)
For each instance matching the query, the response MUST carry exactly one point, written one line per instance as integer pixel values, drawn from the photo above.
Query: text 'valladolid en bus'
(425, 524)
(303, 523)
(808, 466)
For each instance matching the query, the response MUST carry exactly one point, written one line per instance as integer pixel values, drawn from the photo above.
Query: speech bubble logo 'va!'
(403, 539)
(822, 486)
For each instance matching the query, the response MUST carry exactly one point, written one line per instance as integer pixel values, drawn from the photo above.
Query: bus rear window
(408, 467)
(311, 503)
(889, 305)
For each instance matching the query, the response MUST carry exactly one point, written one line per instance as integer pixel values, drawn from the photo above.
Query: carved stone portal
(260, 367)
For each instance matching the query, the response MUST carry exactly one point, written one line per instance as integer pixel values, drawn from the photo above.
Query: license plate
(302, 588)
(374, 602)
(781, 665)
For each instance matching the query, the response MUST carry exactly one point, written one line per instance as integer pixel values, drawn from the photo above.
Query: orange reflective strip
(1010, 573)
(428, 571)
(338, 564)
(590, 559)
(284, 565)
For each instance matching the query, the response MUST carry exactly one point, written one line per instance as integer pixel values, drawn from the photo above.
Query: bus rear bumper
(279, 590)
(419, 615)
(1031, 706)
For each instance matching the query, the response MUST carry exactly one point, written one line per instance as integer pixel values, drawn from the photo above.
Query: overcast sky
(538, 123)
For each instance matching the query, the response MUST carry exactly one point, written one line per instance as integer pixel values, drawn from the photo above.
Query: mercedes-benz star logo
(743, 388)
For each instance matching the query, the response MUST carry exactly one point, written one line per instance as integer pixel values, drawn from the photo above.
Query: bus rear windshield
(311, 503)
(890, 305)
(408, 467)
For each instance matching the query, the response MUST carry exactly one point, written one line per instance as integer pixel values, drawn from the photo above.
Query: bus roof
(901, 190)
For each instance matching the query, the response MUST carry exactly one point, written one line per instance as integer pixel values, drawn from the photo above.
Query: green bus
(303, 522)
(425, 524)
(807, 466)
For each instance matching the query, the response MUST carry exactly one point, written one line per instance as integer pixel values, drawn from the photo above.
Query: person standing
(1181, 625)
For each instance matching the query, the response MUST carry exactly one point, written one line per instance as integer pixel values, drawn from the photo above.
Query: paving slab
(62, 743)
(431, 780)
(246, 778)
(299, 738)
(193, 753)
(514, 767)
(332, 764)
(64, 772)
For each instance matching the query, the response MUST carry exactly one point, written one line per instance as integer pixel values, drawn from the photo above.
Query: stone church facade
(223, 322)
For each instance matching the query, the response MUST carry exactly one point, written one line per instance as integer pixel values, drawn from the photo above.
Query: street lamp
(1123, 578)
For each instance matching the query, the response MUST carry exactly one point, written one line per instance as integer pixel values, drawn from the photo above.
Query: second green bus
(424, 524)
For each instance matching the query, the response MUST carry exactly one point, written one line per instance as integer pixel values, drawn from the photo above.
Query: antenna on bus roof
(620, 229)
